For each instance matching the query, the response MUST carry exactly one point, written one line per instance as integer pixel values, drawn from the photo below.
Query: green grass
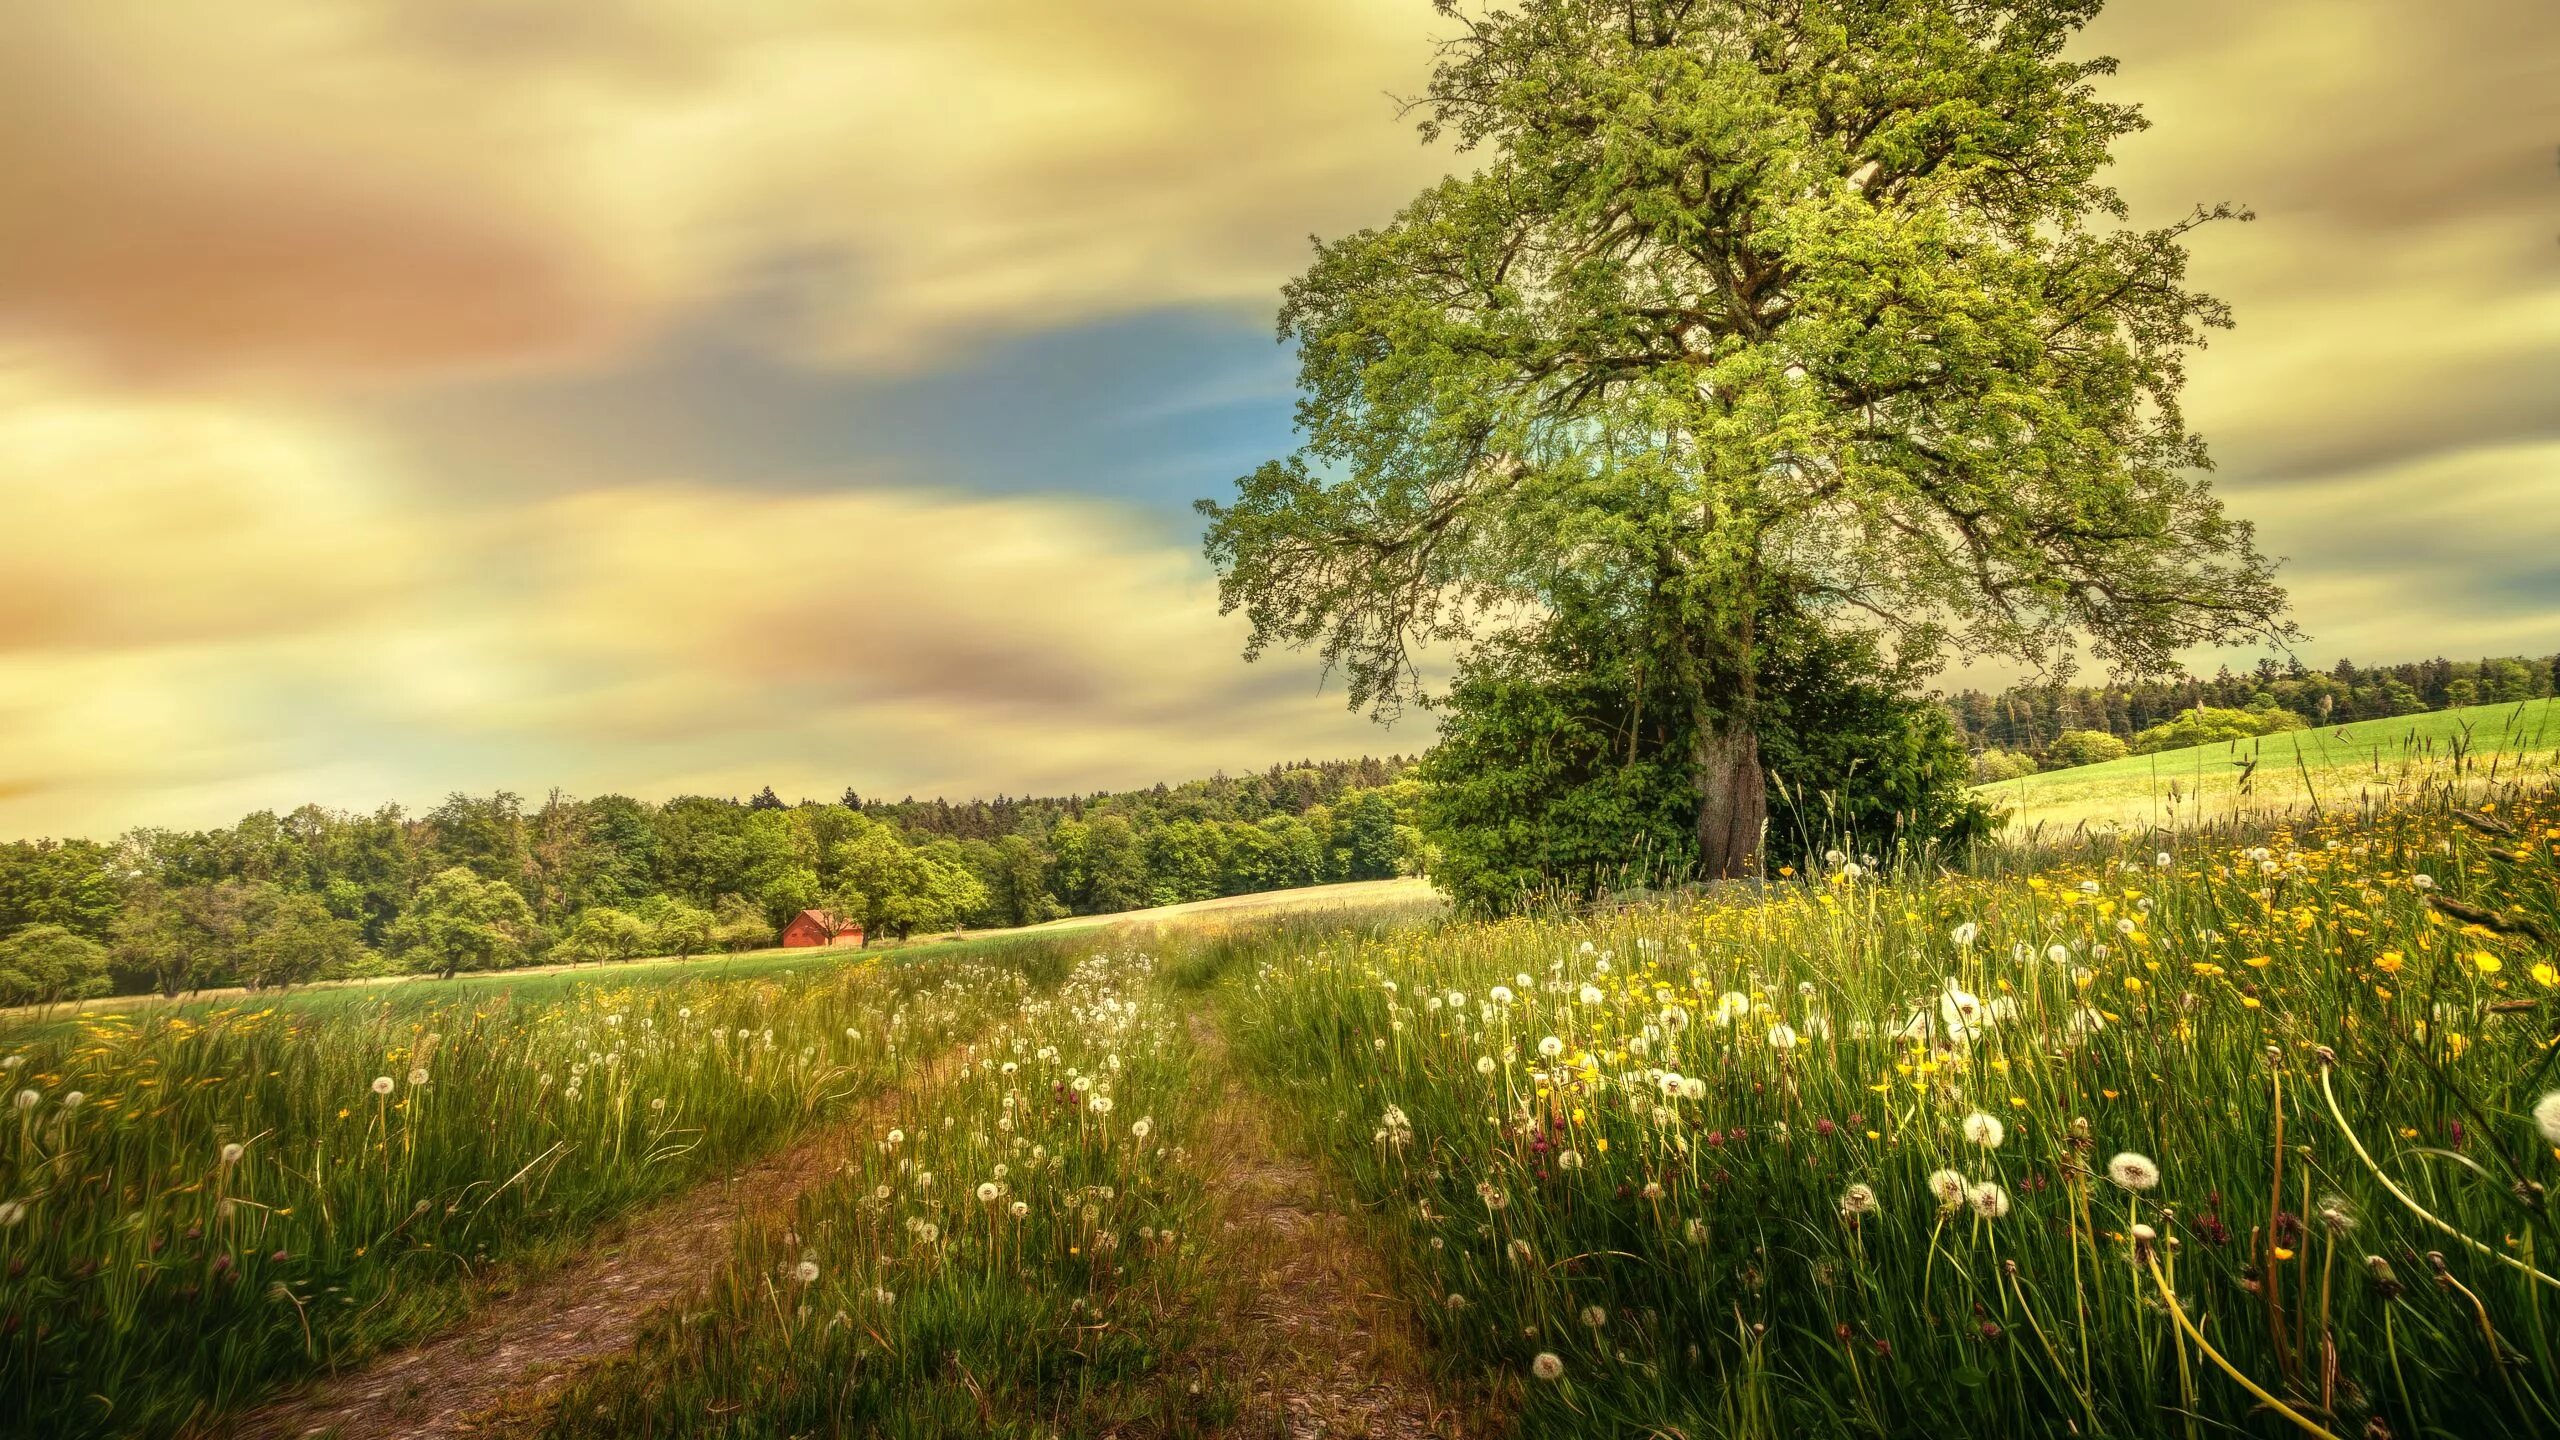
(1762, 1252)
(1014, 1254)
(541, 985)
(2340, 767)
(1671, 1170)
(197, 1207)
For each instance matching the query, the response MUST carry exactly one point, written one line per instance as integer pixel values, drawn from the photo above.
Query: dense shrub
(1993, 766)
(1563, 767)
(2212, 725)
(2088, 747)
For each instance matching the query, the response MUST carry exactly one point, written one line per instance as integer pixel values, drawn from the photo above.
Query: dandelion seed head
(2133, 1171)
(1984, 1130)
(382, 1084)
(2546, 1116)
(1548, 1366)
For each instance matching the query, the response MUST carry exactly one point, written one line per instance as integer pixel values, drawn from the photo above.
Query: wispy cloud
(453, 393)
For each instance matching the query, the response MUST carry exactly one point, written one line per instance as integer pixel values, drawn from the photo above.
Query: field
(539, 981)
(2340, 767)
(2204, 1137)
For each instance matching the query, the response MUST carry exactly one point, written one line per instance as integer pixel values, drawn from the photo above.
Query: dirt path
(1328, 1353)
(500, 1369)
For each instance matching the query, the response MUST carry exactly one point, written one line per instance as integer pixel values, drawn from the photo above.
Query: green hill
(2337, 766)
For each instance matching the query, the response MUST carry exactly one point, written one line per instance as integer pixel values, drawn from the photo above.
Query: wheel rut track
(498, 1370)
(1319, 1346)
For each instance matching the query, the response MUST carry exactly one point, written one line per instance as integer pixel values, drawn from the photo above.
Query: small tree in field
(2088, 747)
(681, 930)
(604, 933)
(1806, 305)
(290, 937)
(458, 921)
(741, 926)
(44, 964)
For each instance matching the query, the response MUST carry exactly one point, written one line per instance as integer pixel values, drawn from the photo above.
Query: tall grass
(1844, 1158)
(195, 1209)
(1012, 1255)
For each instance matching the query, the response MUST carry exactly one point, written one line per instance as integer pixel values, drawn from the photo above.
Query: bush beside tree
(47, 964)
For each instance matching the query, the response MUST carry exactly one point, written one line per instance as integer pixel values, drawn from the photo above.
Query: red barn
(818, 927)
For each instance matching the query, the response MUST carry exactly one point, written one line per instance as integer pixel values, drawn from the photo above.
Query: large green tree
(45, 963)
(459, 921)
(71, 883)
(1813, 303)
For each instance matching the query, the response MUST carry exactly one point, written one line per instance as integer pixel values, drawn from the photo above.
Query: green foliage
(1993, 766)
(186, 909)
(70, 883)
(1563, 764)
(42, 964)
(287, 937)
(684, 931)
(1824, 308)
(604, 933)
(741, 927)
(2029, 717)
(460, 921)
(2212, 725)
(1857, 757)
(2088, 747)
(1017, 879)
(174, 939)
(1535, 788)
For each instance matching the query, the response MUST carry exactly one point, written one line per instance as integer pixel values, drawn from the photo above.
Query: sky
(673, 398)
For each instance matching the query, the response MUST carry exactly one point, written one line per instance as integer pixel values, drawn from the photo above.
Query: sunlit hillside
(2337, 767)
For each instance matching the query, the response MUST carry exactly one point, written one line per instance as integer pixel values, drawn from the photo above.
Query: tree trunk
(1724, 697)
(1733, 801)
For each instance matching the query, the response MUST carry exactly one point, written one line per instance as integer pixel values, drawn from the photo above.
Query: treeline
(2031, 721)
(487, 882)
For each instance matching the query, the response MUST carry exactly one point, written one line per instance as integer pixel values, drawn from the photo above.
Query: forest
(488, 881)
(2031, 721)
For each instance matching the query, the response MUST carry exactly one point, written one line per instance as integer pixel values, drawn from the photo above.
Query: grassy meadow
(196, 1207)
(2207, 1140)
(2366, 765)
(2200, 1137)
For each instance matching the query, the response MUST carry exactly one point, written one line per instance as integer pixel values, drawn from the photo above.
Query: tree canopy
(1821, 303)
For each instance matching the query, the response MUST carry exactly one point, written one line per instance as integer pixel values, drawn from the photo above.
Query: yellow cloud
(132, 523)
(301, 185)
(212, 609)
